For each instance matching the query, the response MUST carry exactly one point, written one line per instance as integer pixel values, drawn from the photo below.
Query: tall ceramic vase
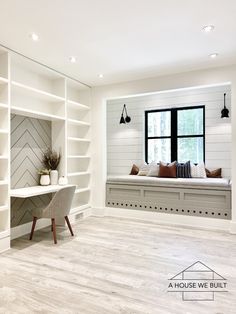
(54, 177)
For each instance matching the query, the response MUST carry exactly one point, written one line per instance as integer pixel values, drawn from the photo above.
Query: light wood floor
(113, 266)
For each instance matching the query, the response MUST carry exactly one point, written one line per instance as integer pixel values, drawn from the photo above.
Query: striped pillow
(183, 170)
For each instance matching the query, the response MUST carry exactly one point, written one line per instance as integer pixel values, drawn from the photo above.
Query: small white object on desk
(63, 181)
(35, 190)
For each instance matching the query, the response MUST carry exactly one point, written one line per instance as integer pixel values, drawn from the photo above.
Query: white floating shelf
(35, 114)
(3, 80)
(3, 105)
(3, 208)
(78, 122)
(82, 190)
(2, 157)
(78, 139)
(3, 182)
(75, 174)
(78, 157)
(40, 94)
(77, 105)
(3, 131)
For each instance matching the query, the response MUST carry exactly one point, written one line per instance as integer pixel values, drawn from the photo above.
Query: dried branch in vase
(51, 159)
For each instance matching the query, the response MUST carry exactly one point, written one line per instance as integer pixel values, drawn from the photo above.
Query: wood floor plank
(113, 266)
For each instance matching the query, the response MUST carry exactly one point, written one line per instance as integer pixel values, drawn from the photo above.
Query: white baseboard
(99, 212)
(4, 244)
(233, 227)
(165, 219)
(21, 230)
(84, 213)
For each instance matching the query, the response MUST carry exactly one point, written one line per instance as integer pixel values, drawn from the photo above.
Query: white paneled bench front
(208, 197)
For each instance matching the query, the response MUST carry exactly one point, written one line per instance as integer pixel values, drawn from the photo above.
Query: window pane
(159, 149)
(159, 123)
(190, 122)
(190, 149)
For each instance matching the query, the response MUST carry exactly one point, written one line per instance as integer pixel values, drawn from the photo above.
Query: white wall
(125, 143)
(101, 94)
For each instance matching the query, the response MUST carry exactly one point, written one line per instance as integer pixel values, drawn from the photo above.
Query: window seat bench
(208, 197)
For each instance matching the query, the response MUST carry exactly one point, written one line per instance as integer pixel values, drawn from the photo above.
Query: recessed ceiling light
(34, 37)
(213, 55)
(208, 28)
(100, 75)
(72, 59)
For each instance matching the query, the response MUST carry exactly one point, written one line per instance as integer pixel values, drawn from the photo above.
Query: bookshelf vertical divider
(4, 150)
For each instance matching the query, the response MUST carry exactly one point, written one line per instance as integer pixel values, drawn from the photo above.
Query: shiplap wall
(125, 143)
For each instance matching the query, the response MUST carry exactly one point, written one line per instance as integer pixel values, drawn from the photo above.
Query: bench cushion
(191, 183)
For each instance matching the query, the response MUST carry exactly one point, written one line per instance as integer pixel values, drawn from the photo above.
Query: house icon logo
(198, 282)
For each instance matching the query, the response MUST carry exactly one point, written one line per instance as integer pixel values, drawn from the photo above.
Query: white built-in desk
(36, 190)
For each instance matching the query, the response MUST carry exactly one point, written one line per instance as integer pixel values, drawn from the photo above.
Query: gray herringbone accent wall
(29, 138)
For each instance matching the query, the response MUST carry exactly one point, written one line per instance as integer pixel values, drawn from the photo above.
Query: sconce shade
(127, 119)
(225, 111)
(122, 120)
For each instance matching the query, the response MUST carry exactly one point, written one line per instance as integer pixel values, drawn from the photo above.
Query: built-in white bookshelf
(78, 142)
(32, 90)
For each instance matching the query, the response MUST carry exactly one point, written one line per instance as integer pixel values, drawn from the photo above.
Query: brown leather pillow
(214, 173)
(134, 170)
(167, 170)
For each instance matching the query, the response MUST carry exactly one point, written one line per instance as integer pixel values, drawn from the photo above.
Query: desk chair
(59, 207)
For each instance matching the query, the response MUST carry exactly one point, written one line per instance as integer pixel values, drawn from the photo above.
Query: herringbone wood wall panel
(29, 138)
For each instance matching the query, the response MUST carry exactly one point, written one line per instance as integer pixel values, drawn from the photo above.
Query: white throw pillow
(198, 171)
(153, 169)
(143, 169)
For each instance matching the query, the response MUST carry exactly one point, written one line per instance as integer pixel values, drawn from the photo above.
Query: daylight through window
(175, 134)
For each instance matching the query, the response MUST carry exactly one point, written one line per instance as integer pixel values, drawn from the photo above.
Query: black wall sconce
(224, 111)
(127, 119)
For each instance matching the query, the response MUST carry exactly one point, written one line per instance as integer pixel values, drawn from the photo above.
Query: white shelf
(3, 182)
(36, 190)
(37, 92)
(3, 105)
(3, 80)
(78, 122)
(75, 174)
(3, 208)
(78, 139)
(3, 131)
(2, 157)
(78, 157)
(35, 114)
(82, 190)
(77, 105)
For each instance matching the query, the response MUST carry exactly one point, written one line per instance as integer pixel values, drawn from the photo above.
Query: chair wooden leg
(33, 227)
(69, 225)
(54, 231)
(51, 226)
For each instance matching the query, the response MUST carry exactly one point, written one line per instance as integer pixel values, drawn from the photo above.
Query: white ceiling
(123, 39)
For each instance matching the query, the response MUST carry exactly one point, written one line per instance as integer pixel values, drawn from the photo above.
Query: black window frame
(173, 130)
